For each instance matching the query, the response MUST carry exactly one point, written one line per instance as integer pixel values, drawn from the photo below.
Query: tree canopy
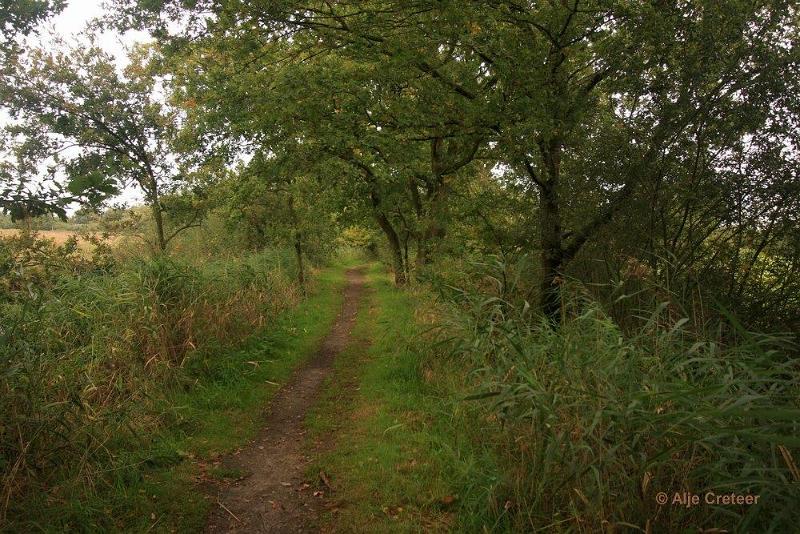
(599, 108)
(661, 132)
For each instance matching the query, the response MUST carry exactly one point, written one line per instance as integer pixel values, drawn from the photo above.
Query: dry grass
(59, 237)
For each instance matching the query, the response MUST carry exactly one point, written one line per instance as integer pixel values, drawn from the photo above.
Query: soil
(276, 495)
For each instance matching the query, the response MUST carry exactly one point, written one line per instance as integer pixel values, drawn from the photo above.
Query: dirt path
(274, 496)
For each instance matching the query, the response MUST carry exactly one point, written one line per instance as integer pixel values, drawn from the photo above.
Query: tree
(281, 205)
(74, 113)
(633, 80)
(379, 116)
(541, 87)
(20, 17)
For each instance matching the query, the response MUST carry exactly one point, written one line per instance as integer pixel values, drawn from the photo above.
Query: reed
(90, 345)
(592, 422)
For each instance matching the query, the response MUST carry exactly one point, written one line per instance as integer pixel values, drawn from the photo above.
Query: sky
(74, 19)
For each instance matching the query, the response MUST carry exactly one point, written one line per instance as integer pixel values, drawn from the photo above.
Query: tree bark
(158, 217)
(432, 229)
(298, 246)
(447, 157)
(552, 255)
(150, 186)
(393, 240)
(383, 221)
(298, 250)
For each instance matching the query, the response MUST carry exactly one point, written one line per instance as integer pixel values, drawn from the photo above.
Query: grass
(396, 453)
(153, 483)
(568, 429)
(572, 430)
(592, 423)
(90, 348)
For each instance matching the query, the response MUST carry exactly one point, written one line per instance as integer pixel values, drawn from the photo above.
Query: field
(59, 237)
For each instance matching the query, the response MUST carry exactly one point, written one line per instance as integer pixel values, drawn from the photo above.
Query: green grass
(398, 457)
(156, 487)
(592, 423)
(570, 429)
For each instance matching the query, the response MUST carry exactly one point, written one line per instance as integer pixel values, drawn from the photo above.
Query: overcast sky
(74, 18)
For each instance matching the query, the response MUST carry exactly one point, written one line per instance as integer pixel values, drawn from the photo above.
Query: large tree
(75, 114)
(403, 137)
(545, 86)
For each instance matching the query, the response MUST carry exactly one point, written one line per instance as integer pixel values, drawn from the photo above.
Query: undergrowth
(592, 423)
(105, 365)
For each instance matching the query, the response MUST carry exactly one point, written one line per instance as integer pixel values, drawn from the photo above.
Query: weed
(106, 375)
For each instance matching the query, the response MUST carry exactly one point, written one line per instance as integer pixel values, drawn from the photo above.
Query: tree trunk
(384, 223)
(552, 258)
(432, 234)
(432, 231)
(298, 250)
(150, 186)
(419, 212)
(158, 217)
(447, 157)
(551, 237)
(394, 248)
(298, 246)
(406, 237)
(393, 240)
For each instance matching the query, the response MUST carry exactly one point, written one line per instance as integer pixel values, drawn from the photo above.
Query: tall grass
(88, 348)
(593, 423)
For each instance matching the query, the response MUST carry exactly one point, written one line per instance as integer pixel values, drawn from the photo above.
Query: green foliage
(96, 130)
(20, 17)
(596, 158)
(676, 122)
(90, 348)
(359, 240)
(594, 423)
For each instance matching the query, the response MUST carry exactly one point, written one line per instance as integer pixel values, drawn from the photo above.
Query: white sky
(74, 19)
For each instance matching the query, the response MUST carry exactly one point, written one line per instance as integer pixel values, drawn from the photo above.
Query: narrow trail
(274, 495)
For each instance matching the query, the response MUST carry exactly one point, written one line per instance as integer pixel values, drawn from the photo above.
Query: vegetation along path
(274, 494)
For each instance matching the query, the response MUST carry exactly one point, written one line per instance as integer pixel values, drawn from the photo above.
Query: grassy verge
(399, 459)
(155, 489)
